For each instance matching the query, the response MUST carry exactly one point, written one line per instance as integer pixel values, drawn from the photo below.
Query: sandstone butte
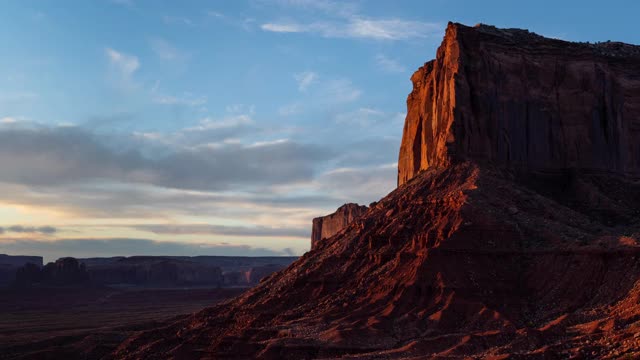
(512, 98)
(513, 232)
(327, 226)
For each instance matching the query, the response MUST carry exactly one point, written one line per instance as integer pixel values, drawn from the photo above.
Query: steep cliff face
(326, 226)
(513, 98)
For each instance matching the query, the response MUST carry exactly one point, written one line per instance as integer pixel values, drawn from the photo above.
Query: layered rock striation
(516, 99)
(325, 227)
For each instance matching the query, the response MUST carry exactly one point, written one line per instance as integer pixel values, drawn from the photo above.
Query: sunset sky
(132, 127)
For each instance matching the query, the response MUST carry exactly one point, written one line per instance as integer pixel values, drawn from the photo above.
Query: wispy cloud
(283, 28)
(45, 157)
(363, 117)
(305, 79)
(324, 91)
(167, 51)
(245, 23)
(179, 20)
(360, 28)
(388, 64)
(8, 120)
(107, 247)
(206, 229)
(43, 230)
(341, 91)
(187, 99)
(360, 183)
(290, 109)
(215, 14)
(336, 8)
(209, 123)
(241, 109)
(123, 66)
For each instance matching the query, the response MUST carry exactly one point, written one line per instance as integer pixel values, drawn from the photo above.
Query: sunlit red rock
(325, 227)
(514, 98)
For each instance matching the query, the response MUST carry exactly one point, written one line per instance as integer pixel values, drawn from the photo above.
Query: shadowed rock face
(184, 270)
(9, 264)
(17, 261)
(516, 99)
(326, 226)
(149, 271)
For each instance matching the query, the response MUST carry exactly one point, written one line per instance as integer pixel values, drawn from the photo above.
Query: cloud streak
(43, 230)
(181, 20)
(122, 66)
(357, 27)
(187, 99)
(108, 247)
(65, 155)
(305, 79)
(335, 8)
(388, 64)
(205, 229)
(166, 51)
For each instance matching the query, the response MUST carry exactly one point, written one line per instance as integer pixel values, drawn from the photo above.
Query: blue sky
(219, 127)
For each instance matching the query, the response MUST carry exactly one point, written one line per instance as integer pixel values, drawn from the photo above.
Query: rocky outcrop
(9, 264)
(325, 227)
(516, 99)
(65, 272)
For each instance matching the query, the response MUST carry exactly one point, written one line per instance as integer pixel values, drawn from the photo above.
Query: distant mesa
(9, 264)
(325, 227)
(147, 271)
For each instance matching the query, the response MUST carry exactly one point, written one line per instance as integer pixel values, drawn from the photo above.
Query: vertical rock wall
(326, 226)
(516, 99)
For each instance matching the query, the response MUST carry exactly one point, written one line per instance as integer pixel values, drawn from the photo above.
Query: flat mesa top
(612, 49)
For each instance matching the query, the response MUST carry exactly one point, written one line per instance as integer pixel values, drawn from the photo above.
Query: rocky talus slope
(513, 233)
